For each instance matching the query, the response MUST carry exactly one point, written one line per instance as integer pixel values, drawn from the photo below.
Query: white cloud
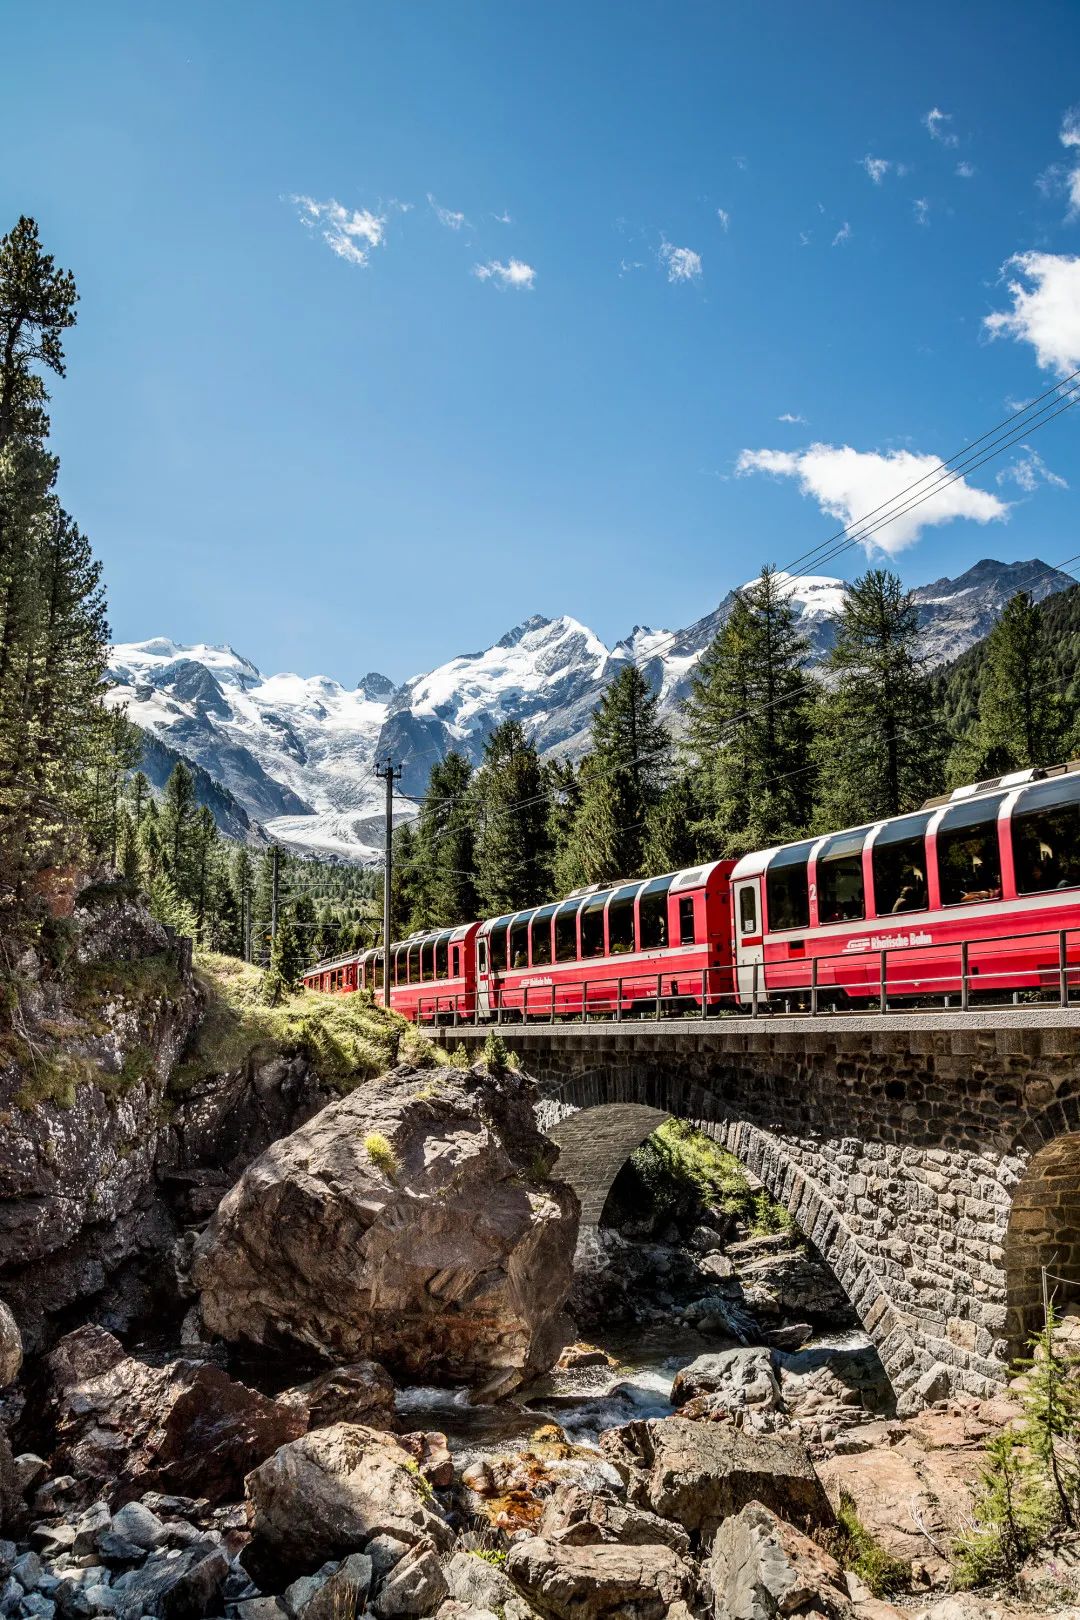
(842, 235)
(848, 484)
(741, 162)
(965, 170)
(876, 168)
(804, 238)
(790, 416)
(447, 216)
(628, 265)
(1046, 309)
(724, 217)
(503, 218)
(921, 209)
(348, 232)
(937, 124)
(683, 264)
(1070, 140)
(515, 273)
(1028, 471)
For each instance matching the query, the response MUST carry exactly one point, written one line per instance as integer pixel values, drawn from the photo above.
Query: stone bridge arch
(933, 1158)
(595, 1138)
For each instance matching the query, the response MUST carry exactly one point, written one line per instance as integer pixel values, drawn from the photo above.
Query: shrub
(381, 1154)
(496, 1055)
(768, 1217)
(459, 1057)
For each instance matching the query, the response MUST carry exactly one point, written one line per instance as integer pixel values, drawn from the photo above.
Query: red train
(973, 895)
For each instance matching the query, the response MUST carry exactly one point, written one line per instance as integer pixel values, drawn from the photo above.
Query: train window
(968, 857)
(378, 970)
(592, 925)
(1046, 836)
(652, 915)
(840, 889)
(455, 954)
(540, 936)
(566, 932)
(401, 965)
(497, 944)
(519, 943)
(427, 961)
(481, 956)
(414, 964)
(686, 920)
(620, 921)
(748, 910)
(898, 859)
(787, 896)
(442, 957)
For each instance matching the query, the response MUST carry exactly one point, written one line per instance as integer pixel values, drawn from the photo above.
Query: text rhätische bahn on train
(978, 892)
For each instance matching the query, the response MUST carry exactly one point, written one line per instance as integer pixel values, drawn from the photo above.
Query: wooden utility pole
(275, 855)
(389, 773)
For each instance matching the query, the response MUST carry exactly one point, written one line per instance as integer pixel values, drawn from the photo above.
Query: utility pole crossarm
(389, 773)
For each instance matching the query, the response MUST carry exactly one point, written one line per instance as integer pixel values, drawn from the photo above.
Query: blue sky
(360, 431)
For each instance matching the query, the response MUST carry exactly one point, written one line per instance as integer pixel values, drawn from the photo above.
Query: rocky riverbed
(310, 1356)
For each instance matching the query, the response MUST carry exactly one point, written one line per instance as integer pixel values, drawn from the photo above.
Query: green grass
(856, 1549)
(346, 1038)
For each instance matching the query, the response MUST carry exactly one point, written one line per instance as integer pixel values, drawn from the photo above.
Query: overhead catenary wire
(806, 684)
(861, 529)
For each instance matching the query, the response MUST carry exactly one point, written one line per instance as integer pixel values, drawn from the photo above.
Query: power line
(807, 683)
(861, 529)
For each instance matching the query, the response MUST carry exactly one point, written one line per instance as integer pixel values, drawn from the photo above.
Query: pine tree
(403, 880)
(749, 724)
(286, 962)
(877, 750)
(262, 909)
(622, 779)
(177, 817)
(242, 883)
(512, 845)
(676, 834)
(441, 876)
(56, 738)
(1020, 720)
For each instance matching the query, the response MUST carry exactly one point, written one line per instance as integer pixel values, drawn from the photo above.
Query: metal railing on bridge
(1034, 969)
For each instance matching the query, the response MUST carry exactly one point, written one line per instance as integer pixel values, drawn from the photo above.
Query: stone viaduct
(932, 1158)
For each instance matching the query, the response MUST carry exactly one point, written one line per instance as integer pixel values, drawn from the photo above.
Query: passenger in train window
(912, 892)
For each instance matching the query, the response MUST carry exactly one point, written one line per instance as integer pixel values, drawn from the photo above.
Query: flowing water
(585, 1400)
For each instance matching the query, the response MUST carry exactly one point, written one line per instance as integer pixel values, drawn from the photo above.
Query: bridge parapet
(932, 1158)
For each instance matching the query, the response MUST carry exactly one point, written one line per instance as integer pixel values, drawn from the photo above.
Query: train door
(749, 950)
(483, 978)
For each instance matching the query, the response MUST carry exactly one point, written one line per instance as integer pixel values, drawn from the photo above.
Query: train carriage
(975, 893)
(433, 975)
(654, 944)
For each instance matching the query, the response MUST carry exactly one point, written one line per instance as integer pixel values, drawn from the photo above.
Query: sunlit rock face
(413, 1220)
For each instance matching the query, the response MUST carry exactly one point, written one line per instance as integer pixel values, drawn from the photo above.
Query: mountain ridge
(296, 753)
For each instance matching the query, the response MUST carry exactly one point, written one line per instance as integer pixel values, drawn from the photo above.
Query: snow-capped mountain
(297, 753)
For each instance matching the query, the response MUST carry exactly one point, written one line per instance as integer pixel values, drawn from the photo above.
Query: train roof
(691, 877)
(757, 861)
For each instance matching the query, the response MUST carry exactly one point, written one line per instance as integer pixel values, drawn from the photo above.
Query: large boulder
(578, 1517)
(414, 1218)
(601, 1582)
(361, 1393)
(700, 1473)
(124, 1427)
(742, 1380)
(331, 1493)
(761, 1568)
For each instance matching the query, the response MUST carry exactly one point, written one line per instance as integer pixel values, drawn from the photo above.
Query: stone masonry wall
(899, 1147)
